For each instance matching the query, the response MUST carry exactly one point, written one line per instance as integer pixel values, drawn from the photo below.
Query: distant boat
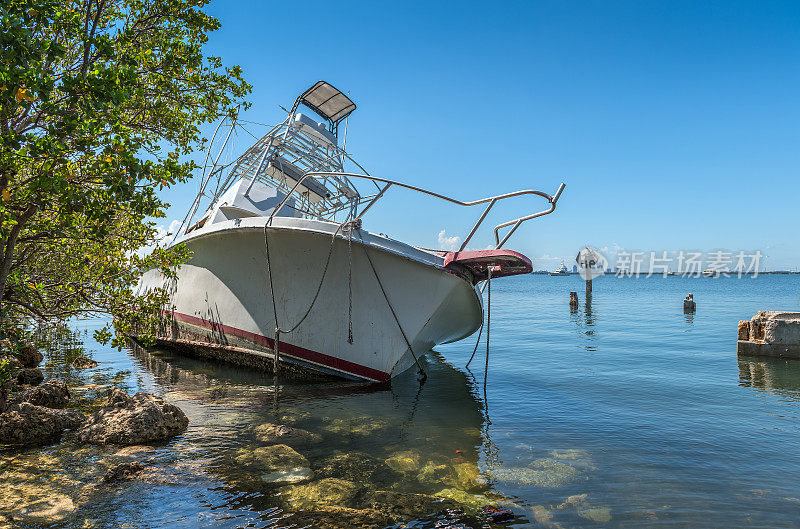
(710, 273)
(560, 271)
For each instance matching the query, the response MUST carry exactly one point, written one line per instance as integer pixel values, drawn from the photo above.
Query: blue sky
(675, 125)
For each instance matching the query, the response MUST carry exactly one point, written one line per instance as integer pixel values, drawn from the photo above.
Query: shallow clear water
(623, 413)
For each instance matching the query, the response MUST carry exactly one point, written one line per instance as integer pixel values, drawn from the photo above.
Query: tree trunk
(10, 246)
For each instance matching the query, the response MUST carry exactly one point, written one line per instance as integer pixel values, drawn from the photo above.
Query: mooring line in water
(414, 406)
(488, 323)
(278, 330)
(477, 342)
(391, 308)
(480, 331)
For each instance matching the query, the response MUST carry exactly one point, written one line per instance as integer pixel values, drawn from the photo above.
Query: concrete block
(770, 333)
(744, 329)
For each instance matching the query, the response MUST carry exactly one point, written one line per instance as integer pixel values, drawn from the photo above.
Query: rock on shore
(278, 463)
(29, 376)
(27, 424)
(282, 434)
(122, 472)
(358, 467)
(585, 510)
(51, 394)
(132, 420)
(325, 492)
(29, 356)
(84, 363)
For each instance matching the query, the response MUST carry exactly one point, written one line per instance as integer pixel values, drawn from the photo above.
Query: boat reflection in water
(360, 453)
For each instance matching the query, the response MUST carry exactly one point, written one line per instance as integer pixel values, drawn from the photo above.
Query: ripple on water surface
(622, 413)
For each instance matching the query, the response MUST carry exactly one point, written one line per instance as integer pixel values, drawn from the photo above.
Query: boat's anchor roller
(347, 228)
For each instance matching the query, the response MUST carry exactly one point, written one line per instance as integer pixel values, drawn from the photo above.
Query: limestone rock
(554, 473)
(541, 514)
(132, 420)
(84, 363)
(278, 433)
(325, 492)
(217, 392)
(546, 473)
(437, 473)
(271, 457)
(335, 517)
(122, 472)
(407, 505)
(70, 419)
(356, 426)
(295, 416)
(468, 477)
(575, 457)
(358, 466)
(26, 424)
(51, 394)
(289, 475)
(471, 503)
(580, 502)
(405, 461)
(29, 356)
(29, 376)
(278, 463)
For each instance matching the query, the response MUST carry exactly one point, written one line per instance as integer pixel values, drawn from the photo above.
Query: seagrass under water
(623, 413)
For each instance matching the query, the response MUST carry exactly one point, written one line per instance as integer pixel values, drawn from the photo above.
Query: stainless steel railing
(552, 199)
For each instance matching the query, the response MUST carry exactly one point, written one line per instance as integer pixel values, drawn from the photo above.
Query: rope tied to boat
(347, 227)
(391, 308)
(488, 323)
(278, 330)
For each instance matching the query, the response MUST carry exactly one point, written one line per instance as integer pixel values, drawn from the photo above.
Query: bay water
(624, 412)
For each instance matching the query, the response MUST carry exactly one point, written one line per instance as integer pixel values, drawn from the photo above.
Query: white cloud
(163, 236)
(448, 243)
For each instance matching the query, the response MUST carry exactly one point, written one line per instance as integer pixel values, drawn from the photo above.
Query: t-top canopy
(324, 99)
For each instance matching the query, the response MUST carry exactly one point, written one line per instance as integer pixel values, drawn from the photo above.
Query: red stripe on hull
(351, 368)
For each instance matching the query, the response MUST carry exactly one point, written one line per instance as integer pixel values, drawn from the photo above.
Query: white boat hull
(223, 295)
